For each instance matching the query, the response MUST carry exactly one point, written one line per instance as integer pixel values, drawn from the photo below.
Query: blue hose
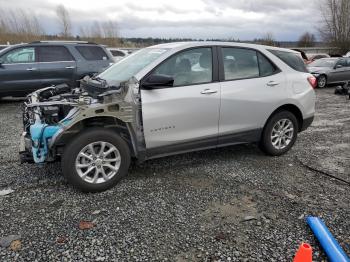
(331, 247)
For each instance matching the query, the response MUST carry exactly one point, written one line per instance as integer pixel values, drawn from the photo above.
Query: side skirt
(245, 137)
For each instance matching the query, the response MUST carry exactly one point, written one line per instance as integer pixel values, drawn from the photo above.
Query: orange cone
(304, 253)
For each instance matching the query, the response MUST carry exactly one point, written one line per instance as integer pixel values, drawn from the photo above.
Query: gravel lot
(226, 204)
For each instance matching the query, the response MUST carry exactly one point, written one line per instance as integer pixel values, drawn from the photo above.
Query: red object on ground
(304, 253)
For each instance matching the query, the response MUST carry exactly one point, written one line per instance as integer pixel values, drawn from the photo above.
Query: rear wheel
(96, 160)
(279, 134)
(321, 81)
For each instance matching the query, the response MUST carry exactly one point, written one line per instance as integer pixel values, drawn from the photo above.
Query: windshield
(323, 63)
(131, 65)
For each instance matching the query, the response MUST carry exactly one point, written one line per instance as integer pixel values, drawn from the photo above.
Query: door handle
(272, 83)
(70, 67)
(208, 91)
(31, 69)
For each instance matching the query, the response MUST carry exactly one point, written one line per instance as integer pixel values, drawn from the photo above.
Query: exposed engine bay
(52, 114)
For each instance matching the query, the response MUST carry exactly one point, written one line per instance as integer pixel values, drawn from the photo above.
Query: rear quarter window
(92, 52)
(291, 59)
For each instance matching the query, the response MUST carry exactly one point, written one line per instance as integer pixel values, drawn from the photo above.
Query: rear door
(57, 65)
(19, 71)
(251, 87)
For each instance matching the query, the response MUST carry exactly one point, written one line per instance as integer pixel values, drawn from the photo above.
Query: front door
(185, 116)
(19, 71)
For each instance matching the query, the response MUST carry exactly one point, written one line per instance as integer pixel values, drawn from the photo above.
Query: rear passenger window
(265, 66)
(291, 59)
(54, 54)
(92, 52)
(240, 63)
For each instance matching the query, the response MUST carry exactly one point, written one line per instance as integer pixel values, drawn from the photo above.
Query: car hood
(318, 70)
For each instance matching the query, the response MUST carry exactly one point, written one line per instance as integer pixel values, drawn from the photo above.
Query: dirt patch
(237, 210)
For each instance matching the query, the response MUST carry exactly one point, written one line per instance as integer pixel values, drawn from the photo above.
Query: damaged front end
(54, 115)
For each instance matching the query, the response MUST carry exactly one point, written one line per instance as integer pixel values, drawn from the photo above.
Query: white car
(118, 54)
(170, 99)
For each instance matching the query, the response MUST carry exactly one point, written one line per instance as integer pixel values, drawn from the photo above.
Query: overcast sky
(243, 19)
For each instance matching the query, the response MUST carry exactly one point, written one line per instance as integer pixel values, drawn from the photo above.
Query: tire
(322, 81)
(78, 158)
(268, 137)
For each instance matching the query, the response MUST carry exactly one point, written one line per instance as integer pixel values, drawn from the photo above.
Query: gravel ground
(230, 204)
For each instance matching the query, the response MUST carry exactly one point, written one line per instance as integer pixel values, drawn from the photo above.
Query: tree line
(23, 26)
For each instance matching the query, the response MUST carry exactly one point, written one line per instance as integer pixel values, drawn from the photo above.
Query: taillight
(313, 81)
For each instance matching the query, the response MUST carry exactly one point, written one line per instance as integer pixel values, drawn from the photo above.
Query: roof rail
(63, 41)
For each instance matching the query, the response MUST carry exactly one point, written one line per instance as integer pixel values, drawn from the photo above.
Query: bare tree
(307, 40)
(336, 23)
(101, 32)
(110, 33)
(267, 39)
(64, 20)
(19, 26)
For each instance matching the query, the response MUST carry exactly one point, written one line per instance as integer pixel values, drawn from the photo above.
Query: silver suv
(169, 99)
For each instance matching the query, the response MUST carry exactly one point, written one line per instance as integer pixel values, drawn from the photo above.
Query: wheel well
(104, 122)
(325, 76)
(294, 110)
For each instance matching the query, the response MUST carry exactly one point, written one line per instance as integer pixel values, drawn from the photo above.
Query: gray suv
(28, 67)
(169, 99)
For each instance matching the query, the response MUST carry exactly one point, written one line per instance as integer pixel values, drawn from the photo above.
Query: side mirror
(158, 81)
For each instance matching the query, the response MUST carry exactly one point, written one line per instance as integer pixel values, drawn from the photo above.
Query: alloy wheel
(282, 133)
(98, 162)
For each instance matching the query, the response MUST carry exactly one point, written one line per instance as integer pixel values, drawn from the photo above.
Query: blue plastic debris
(41, 134)
(331, 247)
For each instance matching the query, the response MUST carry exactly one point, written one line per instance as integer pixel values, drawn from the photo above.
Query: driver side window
(19, 55)
(189, 67)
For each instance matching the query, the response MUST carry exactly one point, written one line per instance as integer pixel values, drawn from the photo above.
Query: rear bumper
(306, 123)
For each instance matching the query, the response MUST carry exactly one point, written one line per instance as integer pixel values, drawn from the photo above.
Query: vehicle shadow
(10, 100)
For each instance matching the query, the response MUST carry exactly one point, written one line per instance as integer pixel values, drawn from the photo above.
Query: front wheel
(279, 134)
(96, 160)
(321, 81)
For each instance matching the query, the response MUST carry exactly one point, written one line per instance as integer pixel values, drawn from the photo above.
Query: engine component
(54, 91)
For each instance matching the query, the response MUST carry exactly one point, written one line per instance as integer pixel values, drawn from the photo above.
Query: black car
(28, 67)
(330, 71)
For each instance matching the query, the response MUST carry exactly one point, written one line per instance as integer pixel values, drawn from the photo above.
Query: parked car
(169, 99)
(313, 57)
(118, 54)
(28, 67)
(329, 71)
